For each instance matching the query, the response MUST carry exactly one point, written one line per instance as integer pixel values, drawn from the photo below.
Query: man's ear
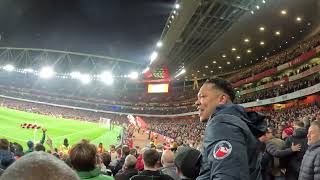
(223, 99)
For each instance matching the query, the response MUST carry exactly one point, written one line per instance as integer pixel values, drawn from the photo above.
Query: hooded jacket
(231, 145)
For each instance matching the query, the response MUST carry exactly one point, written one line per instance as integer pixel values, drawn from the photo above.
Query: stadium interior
(115, 93)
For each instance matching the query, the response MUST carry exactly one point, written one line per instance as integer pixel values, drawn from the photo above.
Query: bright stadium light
(159, 44)
(75, 75)
(133, 75)
(8, 67)
(46, 72)
(177, 6)
(106, 77)
(28, 70)
(153, 56)
(85, 78)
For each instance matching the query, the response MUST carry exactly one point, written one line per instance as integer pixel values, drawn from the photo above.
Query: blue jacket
(231, 145)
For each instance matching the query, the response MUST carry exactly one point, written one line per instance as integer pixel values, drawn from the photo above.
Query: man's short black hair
(222, 85)
(40, 147)
(150, 157)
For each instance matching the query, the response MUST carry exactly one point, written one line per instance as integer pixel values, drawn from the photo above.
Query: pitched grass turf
(57, 129)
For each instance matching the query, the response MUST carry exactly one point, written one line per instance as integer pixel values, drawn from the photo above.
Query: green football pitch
(57, 129)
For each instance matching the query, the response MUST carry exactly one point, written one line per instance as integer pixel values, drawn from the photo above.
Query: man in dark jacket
(125, 150)
(293, 162)
(230, 139)
(187, 161)
(6, 157)
(150, 159)
(128, 169)
(310, 166)
(275, 149)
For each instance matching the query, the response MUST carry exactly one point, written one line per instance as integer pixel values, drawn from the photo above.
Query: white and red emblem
(222, 150)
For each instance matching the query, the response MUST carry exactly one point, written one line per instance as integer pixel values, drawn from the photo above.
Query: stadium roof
(215, 37)
(120, 29)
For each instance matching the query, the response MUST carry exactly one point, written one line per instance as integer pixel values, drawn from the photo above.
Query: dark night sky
(126, 29)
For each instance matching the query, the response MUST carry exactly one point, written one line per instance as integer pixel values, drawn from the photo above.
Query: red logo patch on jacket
(222, 150)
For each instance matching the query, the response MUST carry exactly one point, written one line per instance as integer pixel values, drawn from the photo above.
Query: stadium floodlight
(28, 70)
(153, 56)
(106, 77)
(133, 75)
(181, 72)
(159, 44)
(85, 78)
(8, 67)
(177, 6)
(75, 75)
(46, 72)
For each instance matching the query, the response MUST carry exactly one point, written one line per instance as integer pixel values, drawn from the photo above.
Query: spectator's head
(159, 147)
(4, 144)
(134, 152)
(65, 142)
(298, 124)
(150, 158)
(125, 151)
(106, 158)
(18, 150)
(268, 135)
(30, 144)
(213, 92)
(83, 156)
(100, 145)
(188, 163)
(39, 147)
(39, 166)
(314, 133)
(167, 158)
(130, 162)
(112, 147)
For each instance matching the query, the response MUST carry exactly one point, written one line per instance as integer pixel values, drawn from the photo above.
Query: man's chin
(202, 119)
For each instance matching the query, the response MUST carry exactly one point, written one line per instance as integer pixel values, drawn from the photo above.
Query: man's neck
(168, 164)
(150, 168)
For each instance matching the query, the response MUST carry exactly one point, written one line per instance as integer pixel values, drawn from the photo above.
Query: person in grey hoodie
(231, 136)
(310, 166)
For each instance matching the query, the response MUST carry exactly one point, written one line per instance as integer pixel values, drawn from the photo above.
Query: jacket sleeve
(316, 169)
(233, 165)
(288, 143)
(274, 151)
(43, 138)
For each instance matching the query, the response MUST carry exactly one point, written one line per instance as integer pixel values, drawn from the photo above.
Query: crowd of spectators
(278, 59)
(280, 90)
(281, 76)
(84, 160)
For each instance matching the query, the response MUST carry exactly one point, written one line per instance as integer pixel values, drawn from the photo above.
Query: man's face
(313, 134)
(208, 100)
(269, 134)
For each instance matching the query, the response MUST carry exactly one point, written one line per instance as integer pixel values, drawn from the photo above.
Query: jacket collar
(313, 146)
(89, 174)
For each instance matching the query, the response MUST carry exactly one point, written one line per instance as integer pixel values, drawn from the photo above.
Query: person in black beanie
(188, 162)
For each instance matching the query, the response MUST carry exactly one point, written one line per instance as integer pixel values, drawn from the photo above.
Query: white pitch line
(73, 134)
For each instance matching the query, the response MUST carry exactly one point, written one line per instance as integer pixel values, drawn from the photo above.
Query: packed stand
(281, 58)
(278, 91)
